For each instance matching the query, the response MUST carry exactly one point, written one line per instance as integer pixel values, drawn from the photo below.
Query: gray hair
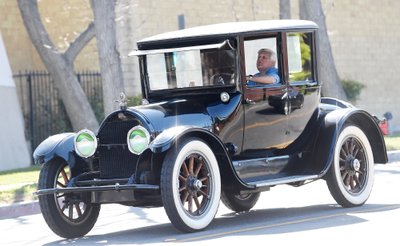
(271, 53)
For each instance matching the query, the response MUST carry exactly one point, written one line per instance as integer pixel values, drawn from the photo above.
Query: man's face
(264, 62)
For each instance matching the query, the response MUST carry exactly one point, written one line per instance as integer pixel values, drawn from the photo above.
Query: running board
(284, 180)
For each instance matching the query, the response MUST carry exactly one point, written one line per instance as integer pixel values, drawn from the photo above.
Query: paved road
(285, 215)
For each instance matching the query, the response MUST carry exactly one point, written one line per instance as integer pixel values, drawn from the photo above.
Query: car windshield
(198, 67)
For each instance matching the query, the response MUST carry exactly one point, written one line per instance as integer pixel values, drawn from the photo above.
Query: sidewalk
(28, 208)
(393, 156)
(19, 209)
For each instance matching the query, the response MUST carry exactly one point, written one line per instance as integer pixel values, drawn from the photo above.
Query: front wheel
(190, 185)
(351, 175)
(67, 215)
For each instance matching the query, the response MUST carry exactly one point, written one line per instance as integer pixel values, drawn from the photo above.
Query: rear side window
(300, 57)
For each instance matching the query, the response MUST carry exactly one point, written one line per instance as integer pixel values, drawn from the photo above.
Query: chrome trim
(285, 180)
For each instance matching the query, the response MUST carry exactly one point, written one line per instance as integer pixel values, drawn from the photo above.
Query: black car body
(203, 134)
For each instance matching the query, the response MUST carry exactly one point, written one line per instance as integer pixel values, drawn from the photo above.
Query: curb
(19, 209)
(30, 208)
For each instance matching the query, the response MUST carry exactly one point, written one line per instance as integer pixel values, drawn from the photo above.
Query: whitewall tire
(190, 185)
(351, 175)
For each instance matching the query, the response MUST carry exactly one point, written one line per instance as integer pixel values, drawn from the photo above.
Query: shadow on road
(255, 222)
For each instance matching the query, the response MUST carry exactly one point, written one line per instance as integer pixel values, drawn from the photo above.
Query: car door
(264, 104)
(303, 88)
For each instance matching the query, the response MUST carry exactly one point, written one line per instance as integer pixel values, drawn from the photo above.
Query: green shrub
(134, 101)
(352, 89)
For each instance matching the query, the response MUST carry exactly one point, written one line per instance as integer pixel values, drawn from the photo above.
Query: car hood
(180, 112)
(195, 112)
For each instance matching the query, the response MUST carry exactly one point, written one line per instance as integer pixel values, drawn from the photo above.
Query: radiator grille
(116, 163)
(115, 160)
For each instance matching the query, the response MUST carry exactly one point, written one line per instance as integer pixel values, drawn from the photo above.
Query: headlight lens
(138, 139)
(85, 143)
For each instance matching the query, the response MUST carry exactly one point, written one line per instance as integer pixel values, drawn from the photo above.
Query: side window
(300, 57)
(261, 61)
(192, 68)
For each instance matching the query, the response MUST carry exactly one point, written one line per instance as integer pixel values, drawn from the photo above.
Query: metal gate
(43, 110)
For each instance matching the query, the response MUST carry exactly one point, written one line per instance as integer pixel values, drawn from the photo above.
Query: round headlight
(138, 139)
(85, 143)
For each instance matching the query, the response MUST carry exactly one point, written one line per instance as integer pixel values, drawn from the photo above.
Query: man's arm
(263, 79)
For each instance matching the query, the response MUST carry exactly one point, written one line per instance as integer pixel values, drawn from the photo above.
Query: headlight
(85, 143)
(138, 139)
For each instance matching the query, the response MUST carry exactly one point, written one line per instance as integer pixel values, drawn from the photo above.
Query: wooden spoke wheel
(190, 185)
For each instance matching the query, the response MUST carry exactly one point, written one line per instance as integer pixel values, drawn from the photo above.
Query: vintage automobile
(203, 135)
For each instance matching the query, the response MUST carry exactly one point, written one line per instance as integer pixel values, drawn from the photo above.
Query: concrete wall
(364, 35)
(13, 146)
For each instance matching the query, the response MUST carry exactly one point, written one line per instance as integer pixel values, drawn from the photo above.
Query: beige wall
(364, 36)
(63, 19)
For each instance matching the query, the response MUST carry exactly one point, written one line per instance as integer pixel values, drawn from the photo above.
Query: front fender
(167, 138)
(60, 145)
(332, 125)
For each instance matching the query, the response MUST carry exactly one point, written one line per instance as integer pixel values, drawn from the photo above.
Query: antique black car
(204, 135)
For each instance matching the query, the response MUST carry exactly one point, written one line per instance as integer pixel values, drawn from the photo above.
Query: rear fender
(332, 125)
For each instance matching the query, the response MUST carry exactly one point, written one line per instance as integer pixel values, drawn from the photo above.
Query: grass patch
(393, 142)
(23, 175)
(20, 194)
(19, 184)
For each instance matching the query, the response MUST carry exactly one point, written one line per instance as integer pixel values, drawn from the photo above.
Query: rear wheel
(240, 203)
(190, 185)
(351, 175)
(67, 215)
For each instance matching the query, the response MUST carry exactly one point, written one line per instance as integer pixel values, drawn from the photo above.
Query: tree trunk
(60, 66)
(331, 84)
(284, 9)
(110, 64)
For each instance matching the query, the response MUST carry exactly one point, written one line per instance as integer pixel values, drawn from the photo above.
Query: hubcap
(356, 165)
(196, 185)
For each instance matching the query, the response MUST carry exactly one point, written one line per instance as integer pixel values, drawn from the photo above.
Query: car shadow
(254, 222)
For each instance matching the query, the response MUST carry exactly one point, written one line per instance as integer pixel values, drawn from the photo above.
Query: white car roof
(232, 28)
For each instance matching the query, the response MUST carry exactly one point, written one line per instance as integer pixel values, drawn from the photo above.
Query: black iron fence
(42, 108)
